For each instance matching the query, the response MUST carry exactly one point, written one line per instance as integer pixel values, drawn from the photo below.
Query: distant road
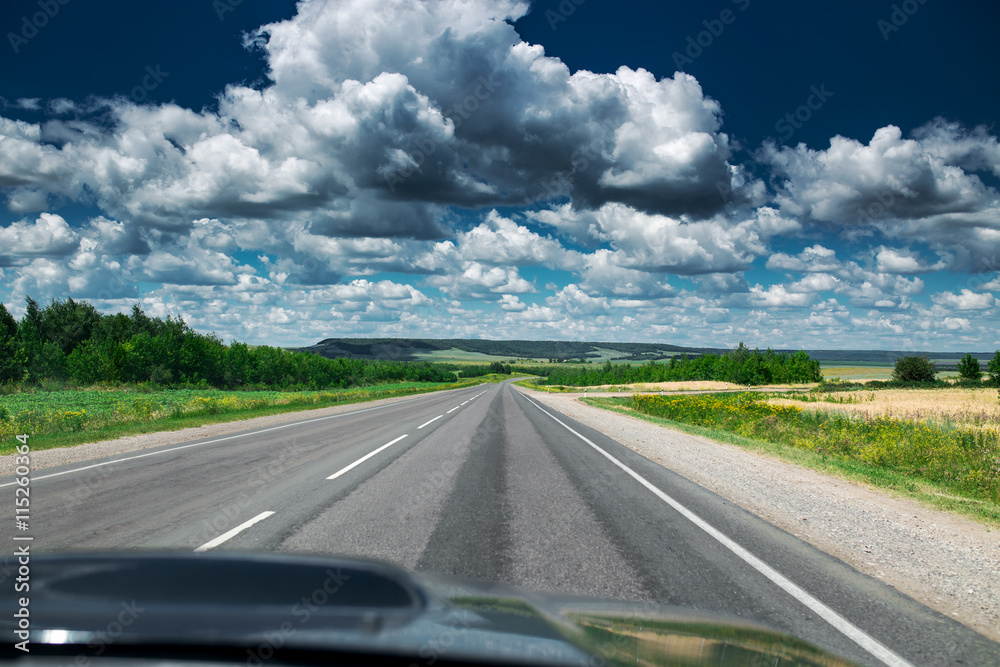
(483, 482)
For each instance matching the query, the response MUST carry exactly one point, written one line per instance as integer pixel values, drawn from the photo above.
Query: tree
(994, 367)
(8, 330)
(914, 369)
(68, 323)
(969, 369)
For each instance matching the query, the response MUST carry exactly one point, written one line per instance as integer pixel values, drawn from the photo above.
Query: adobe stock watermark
(426, 146)
(565, 9)
(30, 25)
(899, 16)
(223, 7)
(130, 612)
(302, 610)
(697, 44)
(150, 82)
(791, 122)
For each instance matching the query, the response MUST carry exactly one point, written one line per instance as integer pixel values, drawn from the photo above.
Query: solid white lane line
(453, 409)
(366, 457)
(430, 422)
(230, 534)
(856, 634)
(209, 442)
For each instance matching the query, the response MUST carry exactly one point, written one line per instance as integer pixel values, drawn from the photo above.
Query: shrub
(914, 369)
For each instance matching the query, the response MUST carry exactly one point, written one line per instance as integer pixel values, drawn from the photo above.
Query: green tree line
(72, 341)
(740, 366)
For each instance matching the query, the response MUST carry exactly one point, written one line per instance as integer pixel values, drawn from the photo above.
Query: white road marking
(230, 534)
(856, 634)
(430, 422)
(209, 442)
(229, 437)
(366, 457)
(453, 409)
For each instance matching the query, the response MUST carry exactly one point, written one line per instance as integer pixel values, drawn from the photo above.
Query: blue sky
(817, 175)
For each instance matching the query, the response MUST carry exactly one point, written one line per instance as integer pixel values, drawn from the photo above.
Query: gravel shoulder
(947, 562)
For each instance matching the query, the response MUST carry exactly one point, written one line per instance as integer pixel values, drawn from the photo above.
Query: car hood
(274, 608)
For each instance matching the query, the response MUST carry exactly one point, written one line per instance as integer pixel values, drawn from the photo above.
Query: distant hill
(408, 349)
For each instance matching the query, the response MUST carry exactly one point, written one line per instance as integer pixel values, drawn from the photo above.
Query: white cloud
(48, 236)
(499, 240)
(477, 281)
(816, 258)
(965, 300)
(815, 282)
(777, 296)
(921, 188)
(894, 260)
(889, 178)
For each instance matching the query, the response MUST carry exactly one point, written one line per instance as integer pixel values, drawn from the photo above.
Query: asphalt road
(486, 483)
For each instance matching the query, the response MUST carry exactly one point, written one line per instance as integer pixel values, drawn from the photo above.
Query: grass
(954, 469)
(455, 355)
(72, 417)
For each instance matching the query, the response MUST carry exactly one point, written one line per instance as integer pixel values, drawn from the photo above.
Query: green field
(457, 356)
(62, 418)
(861, 371)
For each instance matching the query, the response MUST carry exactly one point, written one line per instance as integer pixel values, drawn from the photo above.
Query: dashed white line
(427, 423)
(366, 457)
(856, 634)
(215, 440)
(230, 534)
(453, 409)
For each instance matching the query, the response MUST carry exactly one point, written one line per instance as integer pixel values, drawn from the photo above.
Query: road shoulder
(947, 562)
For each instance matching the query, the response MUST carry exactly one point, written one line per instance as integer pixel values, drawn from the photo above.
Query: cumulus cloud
(964, 300)
(894, 260)
(435, 103)
(48, 236)
(659, 243)
(925, 187)
(476, 281)
(777, 296)
(890, 177)
(499, 240)
(815, 258)
(428, 140)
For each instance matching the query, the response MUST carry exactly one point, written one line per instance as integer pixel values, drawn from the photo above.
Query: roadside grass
(73, 417)
(951, 469)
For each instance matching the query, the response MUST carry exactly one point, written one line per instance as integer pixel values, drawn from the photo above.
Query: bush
(914, 369)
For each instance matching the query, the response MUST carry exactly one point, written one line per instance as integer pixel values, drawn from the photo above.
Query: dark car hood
(278, 608)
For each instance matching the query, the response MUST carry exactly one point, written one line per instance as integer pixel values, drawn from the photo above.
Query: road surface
(486, 483)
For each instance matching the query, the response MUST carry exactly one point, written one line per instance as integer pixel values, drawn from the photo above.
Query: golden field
(976, 408)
